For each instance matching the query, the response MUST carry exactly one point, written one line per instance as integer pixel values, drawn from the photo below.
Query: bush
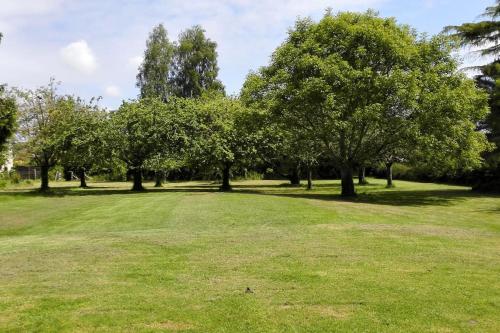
(14, 177)
(249, 175)
(7, 178)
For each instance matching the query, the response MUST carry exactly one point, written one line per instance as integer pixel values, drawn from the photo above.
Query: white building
(9, 163)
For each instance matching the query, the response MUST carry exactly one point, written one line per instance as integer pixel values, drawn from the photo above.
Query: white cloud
(14, 14)
(112, 91)
(79, 56)
(246, 31)
(28, 7)
(135, 61)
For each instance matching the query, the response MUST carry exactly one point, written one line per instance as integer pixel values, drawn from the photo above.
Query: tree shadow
(393, 197)
(98, 191)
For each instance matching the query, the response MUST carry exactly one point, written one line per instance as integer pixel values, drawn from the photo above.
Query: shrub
(14, 177)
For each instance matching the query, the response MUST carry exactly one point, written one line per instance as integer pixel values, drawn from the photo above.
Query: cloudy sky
(94, 46)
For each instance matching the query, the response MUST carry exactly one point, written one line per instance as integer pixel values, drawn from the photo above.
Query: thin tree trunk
(362, 176)
(226, 186)
(44, 175)
(388, 173)
(295, 177)
(309, 178)
(81, 175)
(137, 180)
(347, 182)
(159, 178)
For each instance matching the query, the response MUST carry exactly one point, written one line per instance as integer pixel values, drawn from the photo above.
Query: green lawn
(417, 258)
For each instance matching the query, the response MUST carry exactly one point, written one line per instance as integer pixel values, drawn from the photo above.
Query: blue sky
(94, 46)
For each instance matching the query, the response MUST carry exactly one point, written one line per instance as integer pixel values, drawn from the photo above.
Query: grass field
(417, 258)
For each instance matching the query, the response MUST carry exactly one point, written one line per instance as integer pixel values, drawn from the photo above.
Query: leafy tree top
(364, 85)
(484, 34)
(195, 66)
(152, 79)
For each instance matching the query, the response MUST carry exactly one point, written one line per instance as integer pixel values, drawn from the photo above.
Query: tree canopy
(43, 125)
(8, 112)
(221, 137)
(140, 130)
(153, 76)
(84, 144)
(484, 34)
(195, 66)
(358, 83)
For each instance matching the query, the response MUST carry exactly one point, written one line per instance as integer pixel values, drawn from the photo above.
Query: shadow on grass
(98, 190)
(392, 197)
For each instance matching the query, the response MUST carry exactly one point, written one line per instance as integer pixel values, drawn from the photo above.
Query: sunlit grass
(419, 257)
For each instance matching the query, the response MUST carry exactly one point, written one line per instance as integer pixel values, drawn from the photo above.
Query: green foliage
(221, 132)
(8, 115)
(41, 122)
(84, 145)
(11, 177)
(140, 130)
(489, 80)
(363, 86)
(153, 76)
(483, 33)
(278, 145)
(249, 175)
(195, 67)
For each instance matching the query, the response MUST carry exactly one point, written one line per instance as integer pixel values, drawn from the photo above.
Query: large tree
(485, 36)
(195, 67)
(84, 144)
(140, 130)
(221, 136)
(153, 76)
(285, 150)
(42, 126)
(8, 112)
(354, 81)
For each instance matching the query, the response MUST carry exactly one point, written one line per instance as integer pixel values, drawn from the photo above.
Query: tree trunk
(309, 178)
(226, 186)
(362, 176)
(159, 178)
(68, 174)
(137, 180)
(44, 175)
(81, 175)
(347, 182)
(388, 174)
(295, 177)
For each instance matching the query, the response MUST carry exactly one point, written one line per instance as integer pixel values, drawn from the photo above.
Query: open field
(420, 257)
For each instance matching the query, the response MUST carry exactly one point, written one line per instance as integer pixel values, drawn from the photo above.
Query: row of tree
(354, 88)
(365, 89)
